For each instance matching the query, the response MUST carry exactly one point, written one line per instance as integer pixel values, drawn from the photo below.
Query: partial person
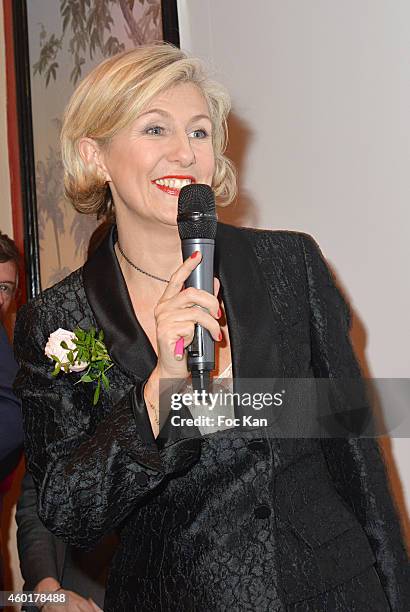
(235, 520)
(47, 563)
(11, 427)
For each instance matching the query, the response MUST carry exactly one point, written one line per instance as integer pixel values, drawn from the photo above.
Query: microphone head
(196, 212)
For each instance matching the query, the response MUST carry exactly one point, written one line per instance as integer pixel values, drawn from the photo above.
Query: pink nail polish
(220, 336)
(179, 349)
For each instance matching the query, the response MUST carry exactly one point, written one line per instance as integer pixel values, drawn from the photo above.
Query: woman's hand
(74, 601)
(176, 314)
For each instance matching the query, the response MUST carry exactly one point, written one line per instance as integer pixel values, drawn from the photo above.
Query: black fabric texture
(237, 520)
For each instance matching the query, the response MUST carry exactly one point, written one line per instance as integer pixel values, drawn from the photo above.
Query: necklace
(163, 280)
(156, 419)
(154, 413)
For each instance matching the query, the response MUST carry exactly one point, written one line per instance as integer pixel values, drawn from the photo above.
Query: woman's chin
(170, 220)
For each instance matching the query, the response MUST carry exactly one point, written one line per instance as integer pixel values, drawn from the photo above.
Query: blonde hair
(113, 95)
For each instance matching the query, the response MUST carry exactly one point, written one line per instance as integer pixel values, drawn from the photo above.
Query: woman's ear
(92, 155)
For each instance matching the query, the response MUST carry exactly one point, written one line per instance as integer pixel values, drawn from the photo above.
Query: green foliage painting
(67, 38)
(87, 24)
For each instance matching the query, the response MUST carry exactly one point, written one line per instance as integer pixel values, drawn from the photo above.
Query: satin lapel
(253, 325)
(107, 294)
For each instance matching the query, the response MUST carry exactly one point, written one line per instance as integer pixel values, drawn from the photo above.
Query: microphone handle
(201, 351)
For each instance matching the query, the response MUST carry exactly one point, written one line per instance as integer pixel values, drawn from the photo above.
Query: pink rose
(53, 347)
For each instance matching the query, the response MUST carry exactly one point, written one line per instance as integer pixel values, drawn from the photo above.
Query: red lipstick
(174, 191)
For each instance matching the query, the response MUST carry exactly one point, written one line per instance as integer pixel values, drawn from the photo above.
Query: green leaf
(86, 378)
(97, 393)
(56, 370)
(105, 380)
(80, 333)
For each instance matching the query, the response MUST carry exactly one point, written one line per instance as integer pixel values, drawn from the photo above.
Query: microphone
(197, 223)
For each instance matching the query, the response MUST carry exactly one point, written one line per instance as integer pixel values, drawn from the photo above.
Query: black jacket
(43, 555)
(238, 521)
(11, 427)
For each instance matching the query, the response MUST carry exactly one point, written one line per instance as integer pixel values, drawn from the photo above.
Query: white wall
(321, 134)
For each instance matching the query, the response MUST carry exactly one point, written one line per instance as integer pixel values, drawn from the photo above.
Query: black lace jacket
(239, 521)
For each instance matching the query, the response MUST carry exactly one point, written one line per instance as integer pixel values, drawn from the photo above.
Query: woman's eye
(199, 134)
(155, 130)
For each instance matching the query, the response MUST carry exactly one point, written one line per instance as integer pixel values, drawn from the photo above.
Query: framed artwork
(56, 43)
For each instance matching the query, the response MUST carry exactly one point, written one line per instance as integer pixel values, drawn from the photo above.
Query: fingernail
(194, 254)
(220, 336)
(179, 349)
(218, 314)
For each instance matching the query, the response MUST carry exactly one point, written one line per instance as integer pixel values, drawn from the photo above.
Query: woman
(238, 521)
